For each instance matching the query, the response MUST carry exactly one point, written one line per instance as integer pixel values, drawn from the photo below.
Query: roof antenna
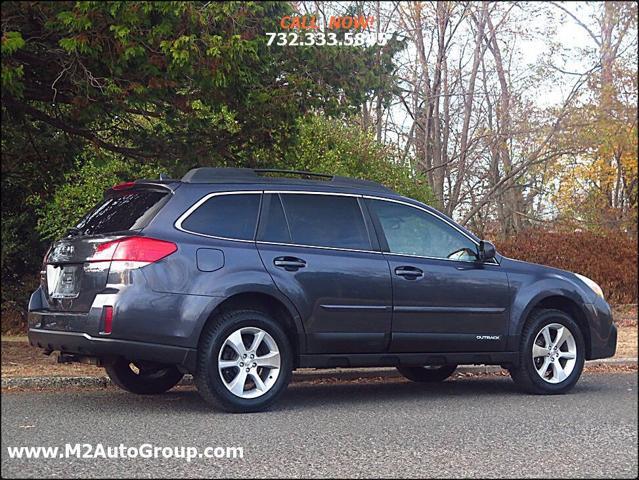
(164, 176)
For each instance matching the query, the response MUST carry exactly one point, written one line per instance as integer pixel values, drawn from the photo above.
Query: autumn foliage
(609, 259)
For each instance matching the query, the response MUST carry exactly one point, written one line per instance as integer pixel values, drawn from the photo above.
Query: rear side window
(229, 216)
(131, 210)
(325, 221)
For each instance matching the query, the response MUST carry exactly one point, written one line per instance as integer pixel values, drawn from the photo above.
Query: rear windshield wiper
(73, 232)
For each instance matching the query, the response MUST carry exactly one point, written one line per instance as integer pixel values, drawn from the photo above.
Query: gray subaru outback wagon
(239, 277)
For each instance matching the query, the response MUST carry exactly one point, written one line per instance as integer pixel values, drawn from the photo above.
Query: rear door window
(325, 221)
(231, 216)
(130, 210)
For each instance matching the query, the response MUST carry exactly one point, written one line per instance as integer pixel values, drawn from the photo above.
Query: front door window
(410, 231)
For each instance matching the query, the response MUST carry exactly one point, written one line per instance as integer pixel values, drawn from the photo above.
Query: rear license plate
(62, 281)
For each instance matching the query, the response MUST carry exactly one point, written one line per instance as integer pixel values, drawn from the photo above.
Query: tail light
(134, 252)
(123, 186)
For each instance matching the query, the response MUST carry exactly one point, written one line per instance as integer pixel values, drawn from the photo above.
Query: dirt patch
(606, 368)
(19, 359)
(625, 315)
(627, 342)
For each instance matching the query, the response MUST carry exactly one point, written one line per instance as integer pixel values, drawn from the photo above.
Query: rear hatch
(76, 267)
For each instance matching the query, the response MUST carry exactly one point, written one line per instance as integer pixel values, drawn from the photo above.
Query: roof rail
(239, 175)
(218, 175)
(301, 173)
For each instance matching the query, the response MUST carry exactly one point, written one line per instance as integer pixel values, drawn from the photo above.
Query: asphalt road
(470, 427)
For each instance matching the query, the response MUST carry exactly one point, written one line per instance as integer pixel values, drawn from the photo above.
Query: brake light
(123, 186)
(104, 252)
(108, 320)
(139, 251)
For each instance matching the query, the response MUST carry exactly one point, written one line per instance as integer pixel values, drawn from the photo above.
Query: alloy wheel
(249, 362)
(554, 353)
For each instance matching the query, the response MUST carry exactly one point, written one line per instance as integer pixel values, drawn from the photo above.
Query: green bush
(326, 145)
(83, 189)
(323, 145)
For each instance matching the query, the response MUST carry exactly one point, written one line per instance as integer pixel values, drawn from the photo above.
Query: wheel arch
(566, 304)
(276, 305)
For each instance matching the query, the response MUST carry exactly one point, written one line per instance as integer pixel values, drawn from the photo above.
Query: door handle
(410, 273)
(289, 263)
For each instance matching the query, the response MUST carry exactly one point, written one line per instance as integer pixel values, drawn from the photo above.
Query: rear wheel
(145, 378)
(428, 373)
(552, 353)
(245, 361)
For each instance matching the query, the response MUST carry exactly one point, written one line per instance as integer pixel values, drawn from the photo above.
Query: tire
(561, 368)
(219, 346)
(150, 378)
(427, 374)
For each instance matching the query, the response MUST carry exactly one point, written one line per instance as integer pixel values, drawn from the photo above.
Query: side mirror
(486, 251)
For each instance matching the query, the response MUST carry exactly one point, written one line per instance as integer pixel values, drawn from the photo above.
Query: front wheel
(552, 353)
(428, 373)
(144, 378)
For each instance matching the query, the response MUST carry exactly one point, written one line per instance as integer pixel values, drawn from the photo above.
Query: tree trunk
(512, 221)
(468, 108)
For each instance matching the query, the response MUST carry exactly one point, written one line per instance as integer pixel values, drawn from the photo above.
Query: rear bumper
(140, 315)
(137, 335)
(87, 345)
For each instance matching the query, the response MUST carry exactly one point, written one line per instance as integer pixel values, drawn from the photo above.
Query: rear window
(326, 221)
(131, 210)
(229, 216)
